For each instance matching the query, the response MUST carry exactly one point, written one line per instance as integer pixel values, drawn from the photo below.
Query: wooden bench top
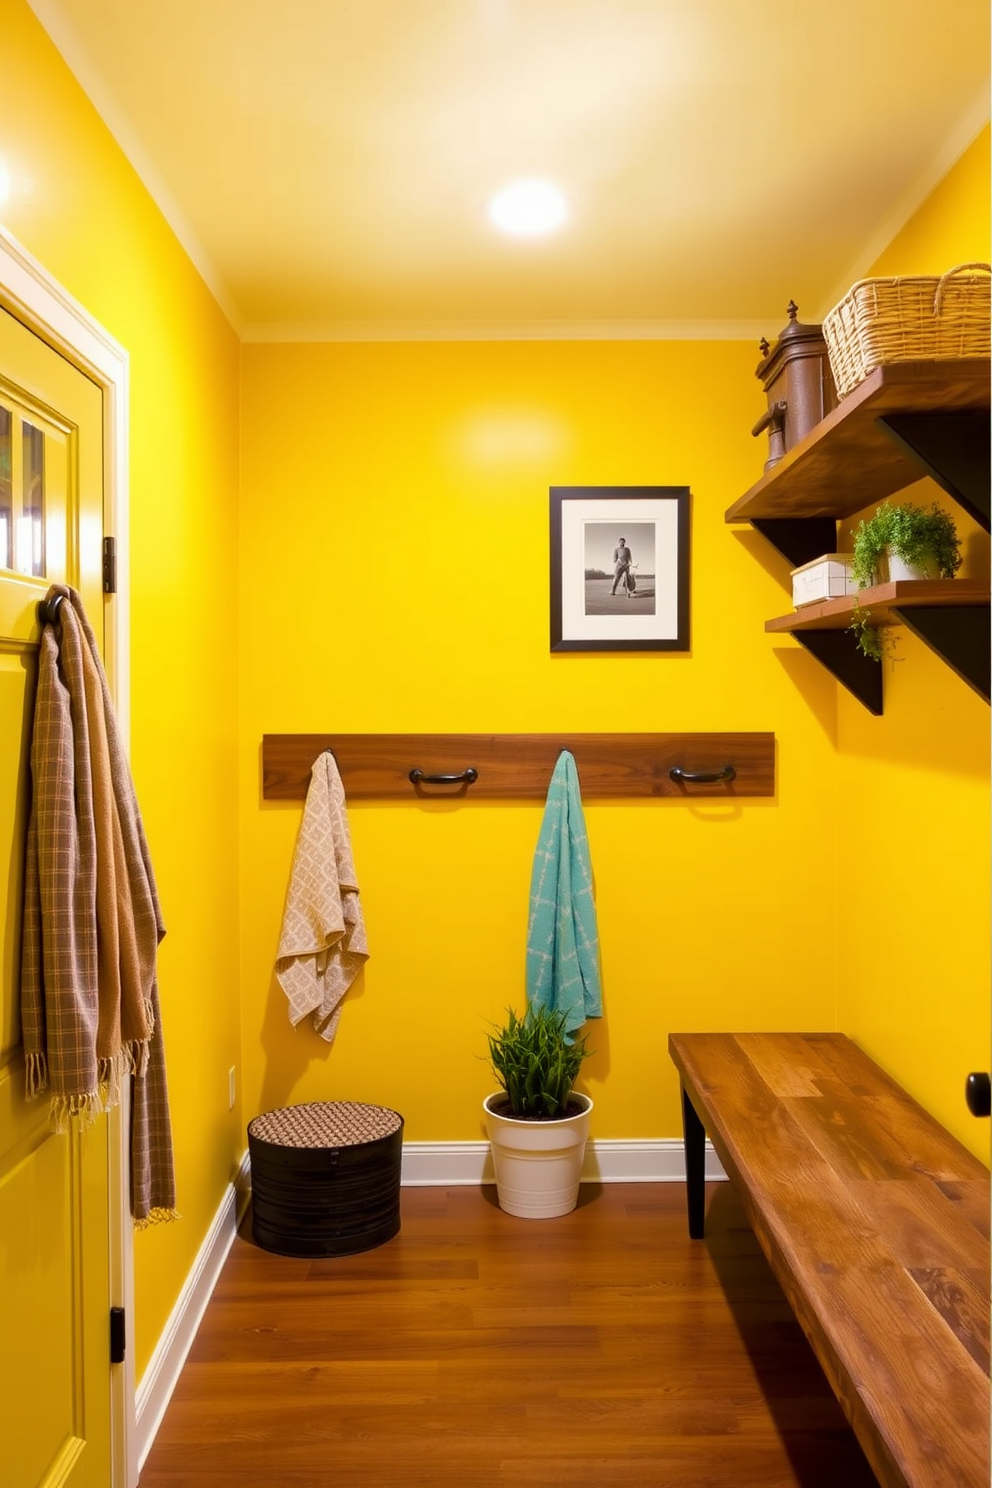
(875, 1221)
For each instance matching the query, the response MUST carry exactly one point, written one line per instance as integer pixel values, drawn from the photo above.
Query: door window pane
(6, 488)
(30, 553)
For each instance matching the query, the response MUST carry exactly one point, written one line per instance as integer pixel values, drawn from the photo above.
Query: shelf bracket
(953, 448)
(959, 636)
(799, 539)
(838, 651)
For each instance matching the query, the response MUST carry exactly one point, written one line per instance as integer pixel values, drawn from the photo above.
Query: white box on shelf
(828, 577)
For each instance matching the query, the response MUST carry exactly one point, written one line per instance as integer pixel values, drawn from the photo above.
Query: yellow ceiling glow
(647, 114)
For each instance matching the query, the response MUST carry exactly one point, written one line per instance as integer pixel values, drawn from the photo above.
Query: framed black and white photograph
(619, 568)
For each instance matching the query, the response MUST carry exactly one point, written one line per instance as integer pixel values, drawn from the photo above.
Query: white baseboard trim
(450, 1164)
(159, 1379)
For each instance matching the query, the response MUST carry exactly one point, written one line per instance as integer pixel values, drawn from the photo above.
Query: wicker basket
(922, 319)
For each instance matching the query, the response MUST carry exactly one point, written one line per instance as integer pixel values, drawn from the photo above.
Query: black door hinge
(110, 565)
(117, 1335)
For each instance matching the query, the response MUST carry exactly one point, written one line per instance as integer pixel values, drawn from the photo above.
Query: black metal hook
(417, 777)
(702, 777)
(48, 609)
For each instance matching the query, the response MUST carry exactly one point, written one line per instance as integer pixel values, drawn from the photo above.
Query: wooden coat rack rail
(519, 766)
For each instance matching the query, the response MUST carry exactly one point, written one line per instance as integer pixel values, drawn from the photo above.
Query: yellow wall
(394, 561)
(952, 225)
(78, 207)
(913, 800)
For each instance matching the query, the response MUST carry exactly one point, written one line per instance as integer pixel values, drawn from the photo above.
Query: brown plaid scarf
(89, 994)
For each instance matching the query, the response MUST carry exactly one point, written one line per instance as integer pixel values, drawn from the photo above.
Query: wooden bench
(875, 1221)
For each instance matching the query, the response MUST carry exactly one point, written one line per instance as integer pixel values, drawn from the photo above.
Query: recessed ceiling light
(528, 208)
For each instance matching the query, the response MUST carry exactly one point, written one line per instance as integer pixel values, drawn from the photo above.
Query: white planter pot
(538, 1163)
(897, 569)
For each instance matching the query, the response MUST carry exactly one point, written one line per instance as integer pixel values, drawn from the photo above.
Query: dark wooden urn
(795, 374)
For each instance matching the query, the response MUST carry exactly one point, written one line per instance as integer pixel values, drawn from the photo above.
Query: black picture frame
(592, 607)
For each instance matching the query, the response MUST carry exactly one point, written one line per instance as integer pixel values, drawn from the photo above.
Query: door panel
(54, 1227)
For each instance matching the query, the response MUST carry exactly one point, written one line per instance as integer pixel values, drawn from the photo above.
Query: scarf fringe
(156, 1217)
(84, 1106)
(140, 1049)
(35, 1075)
(111, 1073)
(78, 1110)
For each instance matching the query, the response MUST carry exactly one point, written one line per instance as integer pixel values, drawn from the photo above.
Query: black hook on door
(48, 609)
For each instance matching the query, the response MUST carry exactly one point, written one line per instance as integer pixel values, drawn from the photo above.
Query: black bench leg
(694, 1136)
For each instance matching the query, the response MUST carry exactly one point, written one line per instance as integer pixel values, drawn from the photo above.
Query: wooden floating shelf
(901, 423)
(519, 766)
(849, 460)
(881, 603)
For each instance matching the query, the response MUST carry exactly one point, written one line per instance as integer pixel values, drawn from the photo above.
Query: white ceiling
(327, 163)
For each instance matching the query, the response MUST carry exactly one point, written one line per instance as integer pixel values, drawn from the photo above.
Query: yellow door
(54, 1213)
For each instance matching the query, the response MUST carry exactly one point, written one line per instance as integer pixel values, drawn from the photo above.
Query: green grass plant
(535, 1062)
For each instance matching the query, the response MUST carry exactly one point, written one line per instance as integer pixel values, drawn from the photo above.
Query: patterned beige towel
(322, 946)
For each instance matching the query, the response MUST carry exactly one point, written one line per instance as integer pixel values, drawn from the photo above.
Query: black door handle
(978, 1094)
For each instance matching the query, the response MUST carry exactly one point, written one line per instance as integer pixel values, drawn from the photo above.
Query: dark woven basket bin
(325, 1178)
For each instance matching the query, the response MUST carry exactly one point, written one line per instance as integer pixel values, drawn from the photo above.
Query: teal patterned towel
(562, 939)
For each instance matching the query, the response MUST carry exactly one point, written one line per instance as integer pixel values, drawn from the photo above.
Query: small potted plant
(538, 1125)
(905, 542)
(900, 542)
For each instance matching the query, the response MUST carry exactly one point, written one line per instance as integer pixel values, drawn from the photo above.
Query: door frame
(30, 293)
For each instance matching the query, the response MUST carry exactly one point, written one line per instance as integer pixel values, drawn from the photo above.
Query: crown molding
(284, 332)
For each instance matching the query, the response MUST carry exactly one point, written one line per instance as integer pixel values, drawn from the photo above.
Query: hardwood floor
(603, 1348)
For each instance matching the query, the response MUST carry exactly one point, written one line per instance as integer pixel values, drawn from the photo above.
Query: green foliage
(921, 537)
(924, 538)
(870, 638)
(535, 1062)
